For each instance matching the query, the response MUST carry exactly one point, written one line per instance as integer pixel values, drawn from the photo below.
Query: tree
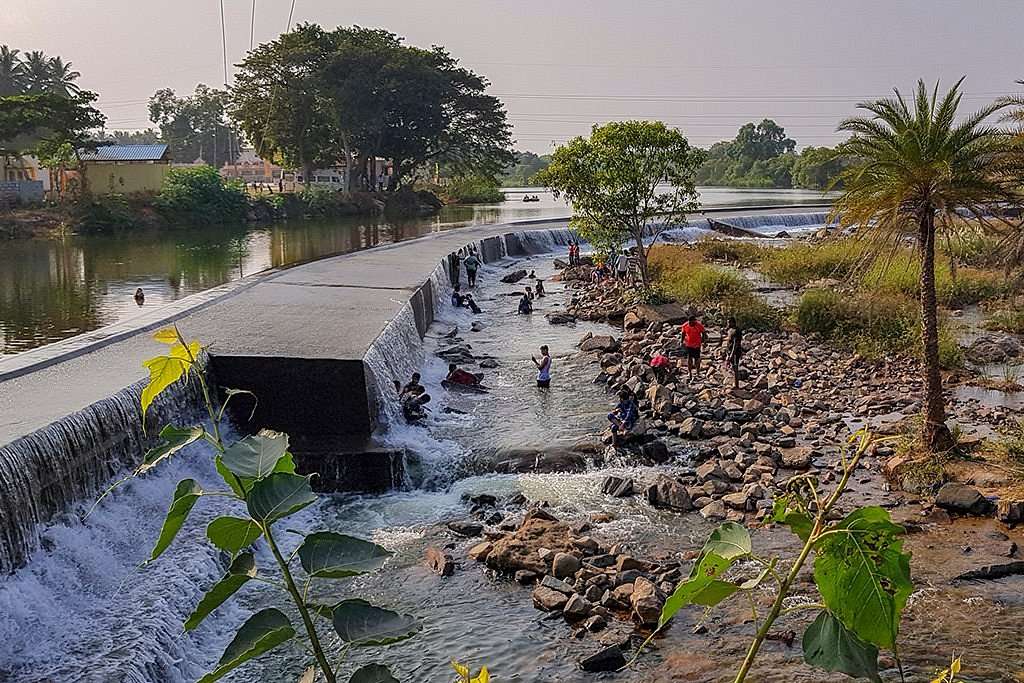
(914, 168)
(759, 156)
(763, 141)
(130, 137)
(281, 104)
(195, 126)
(523, 170)
(37, 73)
(62, 78)
(612, 180)
(12, 72)
(817, 167)
(26, 120)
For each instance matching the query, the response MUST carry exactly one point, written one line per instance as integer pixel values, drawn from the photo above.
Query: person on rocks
(660, 364)
(532, 276)
(574, 254)
(413, 387)
(621, 266)
(694, 336)
(734, 350)
(525, 307)
(458, 300)
(625, 415)
(457, 375)
(470, 302)
(543, 368)
(539, 289)
(413, 407)
(472, 264)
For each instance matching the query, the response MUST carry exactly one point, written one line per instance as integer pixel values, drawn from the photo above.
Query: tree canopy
(625, 181)
(34, 73)
(316, 98)
(521, 173)
(30, 121)
(195, 126)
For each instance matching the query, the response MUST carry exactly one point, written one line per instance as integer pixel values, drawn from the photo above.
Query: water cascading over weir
(318, 344)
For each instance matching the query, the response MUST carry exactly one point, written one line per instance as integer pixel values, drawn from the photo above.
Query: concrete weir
(318, 344)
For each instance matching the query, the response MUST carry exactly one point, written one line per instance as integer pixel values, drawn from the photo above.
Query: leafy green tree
(28, 120)
(12, 72)
(195, 126)
(522, 172)
(62, 78)
(914, 167)
(200, 195)
(37, 73)
(623, 178)
(130, 137)
(762, 141)
(817, 167)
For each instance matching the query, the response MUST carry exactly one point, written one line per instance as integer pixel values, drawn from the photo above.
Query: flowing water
(55, 289)
(83, 610)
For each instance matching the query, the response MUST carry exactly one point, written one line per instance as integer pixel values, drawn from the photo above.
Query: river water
(83, 611)
(55, 289)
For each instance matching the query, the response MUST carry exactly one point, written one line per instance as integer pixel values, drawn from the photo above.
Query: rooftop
(127, 153)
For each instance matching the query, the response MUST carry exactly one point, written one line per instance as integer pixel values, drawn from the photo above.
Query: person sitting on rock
(539, 289)
(525, 307)
(458, 300)
(625, 415)
(457, 375)
(469, 302)
(413, 387)
(413, 407)
(660, 363)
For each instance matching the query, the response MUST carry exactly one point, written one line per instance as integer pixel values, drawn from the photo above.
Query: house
(121, 169)
(252, 169)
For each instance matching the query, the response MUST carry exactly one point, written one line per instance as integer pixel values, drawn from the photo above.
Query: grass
(1006, 320)
(738, 252)
(799, 263)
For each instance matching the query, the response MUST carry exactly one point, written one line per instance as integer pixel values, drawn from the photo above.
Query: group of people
(413, 398)
(529, 294)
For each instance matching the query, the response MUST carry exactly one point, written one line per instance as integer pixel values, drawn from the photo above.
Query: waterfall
(73, 458)
(769, 226)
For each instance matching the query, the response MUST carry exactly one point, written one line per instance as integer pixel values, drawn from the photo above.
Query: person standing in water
(734, 350)
(694, 337)
(543, 368)
(140, 296)
(472, 264)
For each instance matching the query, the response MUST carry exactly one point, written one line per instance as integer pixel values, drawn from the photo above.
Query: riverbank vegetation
(472, 189)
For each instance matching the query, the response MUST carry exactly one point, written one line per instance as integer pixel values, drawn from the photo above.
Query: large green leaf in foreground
(185, 496)
(172, 440)
(829, 646)
(256, 456)
(239, 573)
(277, 496)
(863, 575)
(263, 631)
(233, 534)
(360, 623)
(335, 556)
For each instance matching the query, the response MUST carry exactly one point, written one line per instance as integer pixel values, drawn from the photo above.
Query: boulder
(557, 585)
(601, 342)
(440, 562)
(564, 565)
(549, 600)
(799, 458)
(713, 511)
(667, 314)
(966, 500)
(691, 428)
(617, 487)
(466, 528)
(514, 277)
(1010, 511)
(520, 549)
(608, 659)
(646, 602)
(666, 492)
(577, 608)
(560, 318)
(994, 348)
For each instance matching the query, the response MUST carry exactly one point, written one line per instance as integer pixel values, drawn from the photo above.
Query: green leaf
(239, 573)
(261, 632)
(230, 479)
(278, 496)
(185, 496)
(335, 556)
(286, 464)
(373, 673)
(233, 534)
(863, 575)
(798, 522)
(360, 623)
(172, 440)
(256, 456)
(830, 646)
(730, 541)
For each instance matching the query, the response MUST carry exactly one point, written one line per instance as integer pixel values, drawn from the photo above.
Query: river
(55, 289)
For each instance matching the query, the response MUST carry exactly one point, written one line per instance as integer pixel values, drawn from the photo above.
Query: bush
(103, 213)
(873, 324)
(798, 263)
(474, 190)
(731, 251)
(201, 195)
(751, 312)
(1007, 320)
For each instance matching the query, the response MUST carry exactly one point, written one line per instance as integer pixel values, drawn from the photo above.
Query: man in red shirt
(694, 337)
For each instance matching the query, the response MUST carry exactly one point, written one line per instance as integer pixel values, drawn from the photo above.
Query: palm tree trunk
(935, 434)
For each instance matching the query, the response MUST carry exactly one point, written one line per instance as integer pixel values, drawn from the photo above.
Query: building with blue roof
(123, 169)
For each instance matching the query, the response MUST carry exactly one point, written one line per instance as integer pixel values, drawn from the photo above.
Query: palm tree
(12, 72)
(62, 78)
(37, 72)
(915, 171)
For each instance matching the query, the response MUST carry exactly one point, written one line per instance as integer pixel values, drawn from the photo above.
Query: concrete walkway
(329, 309)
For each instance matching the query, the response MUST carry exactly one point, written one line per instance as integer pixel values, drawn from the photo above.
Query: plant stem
(314, 639)
(784, 587)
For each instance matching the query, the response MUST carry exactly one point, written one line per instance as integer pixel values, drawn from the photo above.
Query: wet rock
(560, 318)
(549, 600)
(525, 577)
(994, 348)
(577, 608)
(520, 549)
(608, 659)
(668, 493)
(546, 461)
(557, 585)
(480, 551)
(586, 544)
(656, 451)
(602, 342)
(710, 470)
(440, 562)
(993, 571)
(564, 565)
(514, 277)
(646, 602)
(595, 623)
(713, 511)
(489, 363)
(691, 428)
(617, 487)
(625, 563)
(963, 499)
(466, 528)
(797, 458)
(1010, 511)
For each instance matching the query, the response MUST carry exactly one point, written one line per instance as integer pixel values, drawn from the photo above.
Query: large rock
(608, 659)
(617, 487)
(577, 608)
(560, 318)
(994, 348)
(480, 551)
(798, 458)
(601, 342)
(656, 451)
(549, 600)
(967, 500)
(564, 565)
(646, 602)
(668, 314)
(521, 549)
(660, 398)
(691, 428)
(440, 562)
(1010, 511)
(514, 277)
(668, 493)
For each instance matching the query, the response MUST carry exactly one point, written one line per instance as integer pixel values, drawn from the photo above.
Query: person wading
(543, 368)
(694, 337)
(472, 264)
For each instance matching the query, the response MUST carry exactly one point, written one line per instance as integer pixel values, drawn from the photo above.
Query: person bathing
(543, 368)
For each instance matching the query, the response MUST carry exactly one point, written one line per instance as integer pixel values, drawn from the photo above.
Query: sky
(560, 66)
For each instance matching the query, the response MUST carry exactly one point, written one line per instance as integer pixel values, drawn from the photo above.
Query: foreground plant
(860, 570)
(259, 473)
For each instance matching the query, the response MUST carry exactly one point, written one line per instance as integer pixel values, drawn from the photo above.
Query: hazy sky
(705, 66)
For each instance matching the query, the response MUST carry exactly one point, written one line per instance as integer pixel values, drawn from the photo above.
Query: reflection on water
(54, 289)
